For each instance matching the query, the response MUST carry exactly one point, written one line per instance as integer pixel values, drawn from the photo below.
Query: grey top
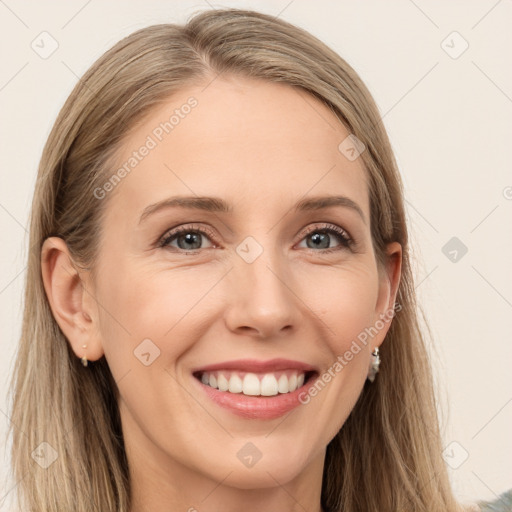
(502, 504)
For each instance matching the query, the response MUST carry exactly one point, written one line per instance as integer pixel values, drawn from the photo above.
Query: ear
(388, 288)
(72, 303)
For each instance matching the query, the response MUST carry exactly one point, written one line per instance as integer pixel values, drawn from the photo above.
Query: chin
(264, 475)
(274, 467)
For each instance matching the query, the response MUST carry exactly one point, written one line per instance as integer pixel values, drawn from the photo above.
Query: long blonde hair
(387, 456)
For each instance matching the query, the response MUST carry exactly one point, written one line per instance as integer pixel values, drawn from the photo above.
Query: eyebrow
(217, 205)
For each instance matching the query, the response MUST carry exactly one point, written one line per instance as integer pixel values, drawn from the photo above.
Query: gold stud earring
(84, 359)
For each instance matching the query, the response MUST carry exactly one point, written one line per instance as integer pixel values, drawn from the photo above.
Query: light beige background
(449, 117)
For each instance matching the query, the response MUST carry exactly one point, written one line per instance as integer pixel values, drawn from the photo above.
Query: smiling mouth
(255, 384)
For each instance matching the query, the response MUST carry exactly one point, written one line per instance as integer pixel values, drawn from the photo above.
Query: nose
(261, 299)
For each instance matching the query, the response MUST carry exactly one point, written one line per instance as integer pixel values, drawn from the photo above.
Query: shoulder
(502, 504)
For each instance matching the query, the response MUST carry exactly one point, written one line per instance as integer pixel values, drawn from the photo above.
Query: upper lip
(257, 366)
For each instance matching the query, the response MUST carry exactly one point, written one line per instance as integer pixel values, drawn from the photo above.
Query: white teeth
(292, 383)
(235, 384)
(269, 385)
(282, 385)
(252, 384)
(222, 383)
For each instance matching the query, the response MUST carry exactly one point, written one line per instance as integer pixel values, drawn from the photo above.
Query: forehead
(252, 142)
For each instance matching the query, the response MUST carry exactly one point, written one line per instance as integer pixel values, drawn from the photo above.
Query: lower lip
(257, 407)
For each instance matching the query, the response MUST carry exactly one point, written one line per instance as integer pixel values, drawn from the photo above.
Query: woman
(219, 310)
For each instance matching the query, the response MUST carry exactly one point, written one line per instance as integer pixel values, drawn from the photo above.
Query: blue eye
(321, 238)
(190, 239)
(187, 239)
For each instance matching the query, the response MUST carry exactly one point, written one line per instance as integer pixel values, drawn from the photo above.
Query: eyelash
(346, 242)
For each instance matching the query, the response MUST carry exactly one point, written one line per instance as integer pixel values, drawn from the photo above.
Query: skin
(261, 147)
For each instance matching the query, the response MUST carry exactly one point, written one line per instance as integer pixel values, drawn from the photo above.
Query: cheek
(140, 303)
(345, 299)
(148, 320)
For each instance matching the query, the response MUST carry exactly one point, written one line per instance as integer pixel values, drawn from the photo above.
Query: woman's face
(263, 285)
